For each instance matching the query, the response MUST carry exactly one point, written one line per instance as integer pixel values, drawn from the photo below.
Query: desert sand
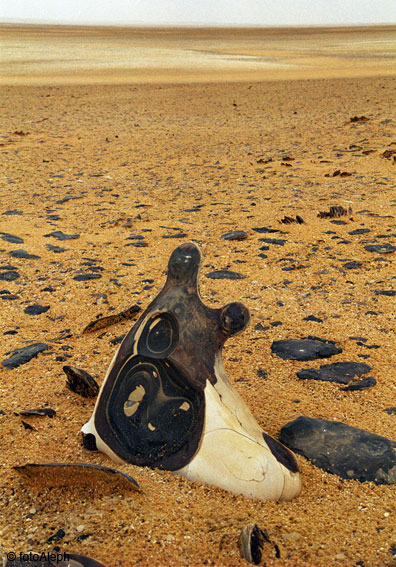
(203, 132)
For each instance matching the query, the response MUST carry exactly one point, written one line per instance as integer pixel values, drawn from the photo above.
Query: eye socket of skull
(160, 336)
(234, 318)
(184, 264)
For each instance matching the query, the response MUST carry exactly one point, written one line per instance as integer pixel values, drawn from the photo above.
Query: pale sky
(200, 12)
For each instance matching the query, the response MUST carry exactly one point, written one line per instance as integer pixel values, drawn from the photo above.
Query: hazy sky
(259, 12)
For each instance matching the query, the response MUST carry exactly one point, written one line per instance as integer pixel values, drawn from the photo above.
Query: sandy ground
(134, 157)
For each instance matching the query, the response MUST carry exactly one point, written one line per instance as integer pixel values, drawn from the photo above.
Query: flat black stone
(138, 244)
(343, 450)
(390, 411)
(136, 237)
(38, 411)
(338, 222)
(313, 318)
(388, 292)
(341, 372)
(352, 265)
(360, 231)
(23, 254)
(265, 229)
(224, 275)
(234, 235)
(11, 238)
(380, 248)
(276, 241)
(36, 309)
(177, 235)
(13, 212)
(23, 355)
(9, 276)
(367, 382)
(309, 348)
(86, 277)
(59, 235)
(80, 382)
(56, 249)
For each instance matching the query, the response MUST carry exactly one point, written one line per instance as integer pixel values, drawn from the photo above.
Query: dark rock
(265, 229)
(23, 254)
(380, 248)
(176, 235)
(80, 382)
(387, 292)
(313, 318)
(56, 249)
(9, 276)
(38, 411)
(13, 212)
(23, 355)
(360, 231)
(11, 238)
(86, 277)
(260, 327)
(309, 348)
(234, 235)
(28, 426)
(224, 275)
(367, 382)
(138, 244)
(276, 241)
(59, 235)
(60, 534)
(36, 309)
(352, 265)
(390, 411)
(343, 450)
(68, 198)
(262, 373)
(341, 372)
(135, 237)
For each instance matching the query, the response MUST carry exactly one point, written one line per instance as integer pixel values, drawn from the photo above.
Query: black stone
(56, 249)
(86, 277)
(9, 276)
(59, 235)
(341, 372)
(224, 275)
(343, 450)
(11, 238)
(80, 382)
(60, 534)
(138, 244)
(23, 355)
(367, 382)
(38, 411)
(309, 348)
(176, 235)
(13, 212)
(313, 318)
(380, 248)
(36, 309)
(23, 254)
(391, 410)
(387, 292)
(235, 235)
(277, 241)
(265, 229)
(360, 231)
(352, 265)
(262, 373)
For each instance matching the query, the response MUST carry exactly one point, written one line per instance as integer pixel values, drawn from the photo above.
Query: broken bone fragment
(166, 401)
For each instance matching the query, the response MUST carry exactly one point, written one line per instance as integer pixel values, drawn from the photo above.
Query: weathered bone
(167, 402)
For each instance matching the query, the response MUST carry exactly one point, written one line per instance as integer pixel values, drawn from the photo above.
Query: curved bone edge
(234, 455)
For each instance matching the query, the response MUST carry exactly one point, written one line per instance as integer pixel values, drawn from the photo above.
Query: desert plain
(118, 136)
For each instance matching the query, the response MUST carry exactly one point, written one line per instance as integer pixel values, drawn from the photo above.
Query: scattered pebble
(23, 355)
(224, 275)
(309, 348)
(341, 372)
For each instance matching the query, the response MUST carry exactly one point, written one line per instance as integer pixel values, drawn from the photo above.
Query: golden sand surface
(64, 55)
(107, 162)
